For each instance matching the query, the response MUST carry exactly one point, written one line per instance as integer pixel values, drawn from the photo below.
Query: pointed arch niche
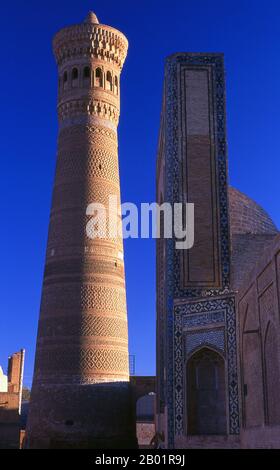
(206, 393)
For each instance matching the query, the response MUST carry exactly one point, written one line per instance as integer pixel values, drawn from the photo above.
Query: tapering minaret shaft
(82, 346)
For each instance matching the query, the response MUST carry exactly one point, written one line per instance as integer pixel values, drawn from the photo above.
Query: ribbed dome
(246, 216)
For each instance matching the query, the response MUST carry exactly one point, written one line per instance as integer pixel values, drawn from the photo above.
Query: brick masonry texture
(10, 403)
(246, 216)
(192, 166)
(81, 393)
(259, 339)
(213, 301)
(252, 230)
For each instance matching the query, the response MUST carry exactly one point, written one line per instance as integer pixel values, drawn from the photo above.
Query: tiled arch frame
(212, 348)
(199, 310)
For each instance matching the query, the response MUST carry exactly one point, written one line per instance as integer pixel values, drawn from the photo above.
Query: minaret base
(99, 416)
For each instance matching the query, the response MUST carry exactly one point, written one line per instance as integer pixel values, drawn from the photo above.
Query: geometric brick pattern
(100, 326)
(97, 135)
(82, 346)
(103, 298)
(87, 325)
(79, 359)
(85, 275)
(85, 297)
(98, 163)
(104, 360)
(70, 195)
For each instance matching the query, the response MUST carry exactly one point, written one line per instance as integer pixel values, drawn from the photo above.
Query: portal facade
(196, 317)
(217, 366)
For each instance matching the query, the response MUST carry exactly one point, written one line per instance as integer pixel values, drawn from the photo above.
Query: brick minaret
(80, 394)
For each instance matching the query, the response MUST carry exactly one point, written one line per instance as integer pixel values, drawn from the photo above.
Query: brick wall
(259, 354)
(247, 249)
(10, 403)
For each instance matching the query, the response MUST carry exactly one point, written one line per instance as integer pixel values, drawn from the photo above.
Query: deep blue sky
(248, 32)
